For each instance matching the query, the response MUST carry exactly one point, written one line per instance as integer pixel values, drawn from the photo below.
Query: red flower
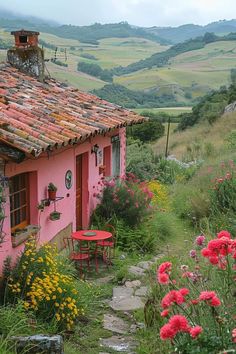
(167, 332)
(163, 278)
(210, 297)
(165, 267)
(195, 331)
(234, 335)
(224, 233)
(184, 291)
(173, 297)
(165, 313)
(179, 323)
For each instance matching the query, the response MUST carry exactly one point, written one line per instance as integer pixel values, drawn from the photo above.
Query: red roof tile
(35, 116)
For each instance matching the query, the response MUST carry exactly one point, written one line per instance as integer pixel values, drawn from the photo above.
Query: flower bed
(193, 304)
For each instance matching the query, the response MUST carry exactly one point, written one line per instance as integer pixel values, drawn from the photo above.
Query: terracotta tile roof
(35, 116)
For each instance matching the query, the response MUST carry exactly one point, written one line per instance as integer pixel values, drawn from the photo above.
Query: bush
(148, 131)
(141, 161)
(126, 199)
(189, 304)
(45, 284)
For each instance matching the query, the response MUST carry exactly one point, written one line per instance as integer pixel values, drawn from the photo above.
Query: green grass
(196, 72)
(169, 110)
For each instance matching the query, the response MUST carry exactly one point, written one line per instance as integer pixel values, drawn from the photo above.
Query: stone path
(120, 321)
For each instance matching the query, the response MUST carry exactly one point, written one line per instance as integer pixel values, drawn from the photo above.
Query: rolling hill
(165, 75)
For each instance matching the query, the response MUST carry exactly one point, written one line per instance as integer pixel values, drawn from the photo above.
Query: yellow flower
(48, 298)
(54, 297)
(58, 317)
(56, 304)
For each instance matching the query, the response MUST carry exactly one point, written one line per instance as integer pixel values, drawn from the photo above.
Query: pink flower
(234, 335)
(210, 297)
(173, 297)
(193, 253)
(165, 267)
(224, 233)
(200, 240)
(163, 278)
(167, 332)
(179, 323)
(195, 331)
(164, 313)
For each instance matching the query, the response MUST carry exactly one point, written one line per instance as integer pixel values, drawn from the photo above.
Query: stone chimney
(26, 55)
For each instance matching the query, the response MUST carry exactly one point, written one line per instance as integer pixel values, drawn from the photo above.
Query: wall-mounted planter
(22, 235)
(55, 215)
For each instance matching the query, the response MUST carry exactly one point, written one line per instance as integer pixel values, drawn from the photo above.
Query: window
(23, 39)
(115, 155)
(19, 200)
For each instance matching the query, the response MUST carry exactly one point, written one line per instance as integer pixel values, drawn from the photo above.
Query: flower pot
(55, 216)
(52, 195)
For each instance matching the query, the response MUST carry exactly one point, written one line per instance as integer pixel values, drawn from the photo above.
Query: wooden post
(167, 138)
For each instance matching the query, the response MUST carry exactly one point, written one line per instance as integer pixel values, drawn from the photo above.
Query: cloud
(137, 12)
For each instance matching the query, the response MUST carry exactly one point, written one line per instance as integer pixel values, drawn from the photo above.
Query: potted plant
(55, 215)
(52, 191)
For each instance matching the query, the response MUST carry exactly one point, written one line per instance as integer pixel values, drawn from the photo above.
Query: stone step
(119, 343)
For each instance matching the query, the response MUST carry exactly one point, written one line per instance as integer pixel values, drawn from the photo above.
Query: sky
(136, 12)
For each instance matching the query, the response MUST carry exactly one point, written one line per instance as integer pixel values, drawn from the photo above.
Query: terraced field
(195, 71)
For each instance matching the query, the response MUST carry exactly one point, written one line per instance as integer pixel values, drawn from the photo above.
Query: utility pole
(167, 138)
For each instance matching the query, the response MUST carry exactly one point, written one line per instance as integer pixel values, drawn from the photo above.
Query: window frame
(26, 204)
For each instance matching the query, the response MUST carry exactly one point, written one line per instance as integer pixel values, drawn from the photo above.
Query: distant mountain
(93, 33)
(182, 33)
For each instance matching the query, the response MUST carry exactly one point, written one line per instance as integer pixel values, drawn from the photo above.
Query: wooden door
(79, 192)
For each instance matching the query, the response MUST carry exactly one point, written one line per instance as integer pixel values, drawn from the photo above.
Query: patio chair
(108, 246)
(79, 251)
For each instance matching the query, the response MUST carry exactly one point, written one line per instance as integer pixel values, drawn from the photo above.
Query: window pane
(18, 188)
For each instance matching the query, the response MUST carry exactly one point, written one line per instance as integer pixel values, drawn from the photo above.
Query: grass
(169, 110)
(202, 133)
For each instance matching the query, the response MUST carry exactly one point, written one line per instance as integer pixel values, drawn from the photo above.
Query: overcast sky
(136, 12)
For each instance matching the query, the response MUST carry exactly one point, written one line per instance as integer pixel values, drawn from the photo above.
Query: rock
(105, 280)
(136, 271)
(142, 291)
(156, 258)
(122, 292)
(39, 344)
(115, 324)
(119, 343)
(127, 303)
(145, 264)
(230, 108)
(133, 284)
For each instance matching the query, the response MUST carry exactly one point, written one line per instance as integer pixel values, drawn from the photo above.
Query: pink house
(51, 133)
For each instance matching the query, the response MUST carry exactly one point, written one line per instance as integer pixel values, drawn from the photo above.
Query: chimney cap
(23, 32)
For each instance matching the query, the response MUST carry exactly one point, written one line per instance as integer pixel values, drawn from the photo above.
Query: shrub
(147, 131)
(45, 284)
(124, 198)
(191, 306)
(223, 193)
(160, 194)
(141, 161)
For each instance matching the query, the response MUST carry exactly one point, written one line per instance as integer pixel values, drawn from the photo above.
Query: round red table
(100, 235)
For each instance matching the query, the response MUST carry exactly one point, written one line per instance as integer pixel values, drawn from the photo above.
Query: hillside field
(195, 72)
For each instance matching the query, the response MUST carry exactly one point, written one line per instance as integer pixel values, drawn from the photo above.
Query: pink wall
(52, 169)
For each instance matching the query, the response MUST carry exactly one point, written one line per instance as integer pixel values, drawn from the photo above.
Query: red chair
(79, 251)
(108, 246)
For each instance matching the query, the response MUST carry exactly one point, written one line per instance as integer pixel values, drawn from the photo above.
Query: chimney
(26, 55)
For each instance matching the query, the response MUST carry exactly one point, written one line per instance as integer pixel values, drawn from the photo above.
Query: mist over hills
(92, 33)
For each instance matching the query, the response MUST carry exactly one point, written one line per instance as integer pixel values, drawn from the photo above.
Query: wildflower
(195, 331)
(193, 253)
(200, 240)
(173, 297)
(167, 332)
(210, 297)
(179, 323)
(224, 233)
(163, 278)
(234, 335)
(165, 267)
(164, 313)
